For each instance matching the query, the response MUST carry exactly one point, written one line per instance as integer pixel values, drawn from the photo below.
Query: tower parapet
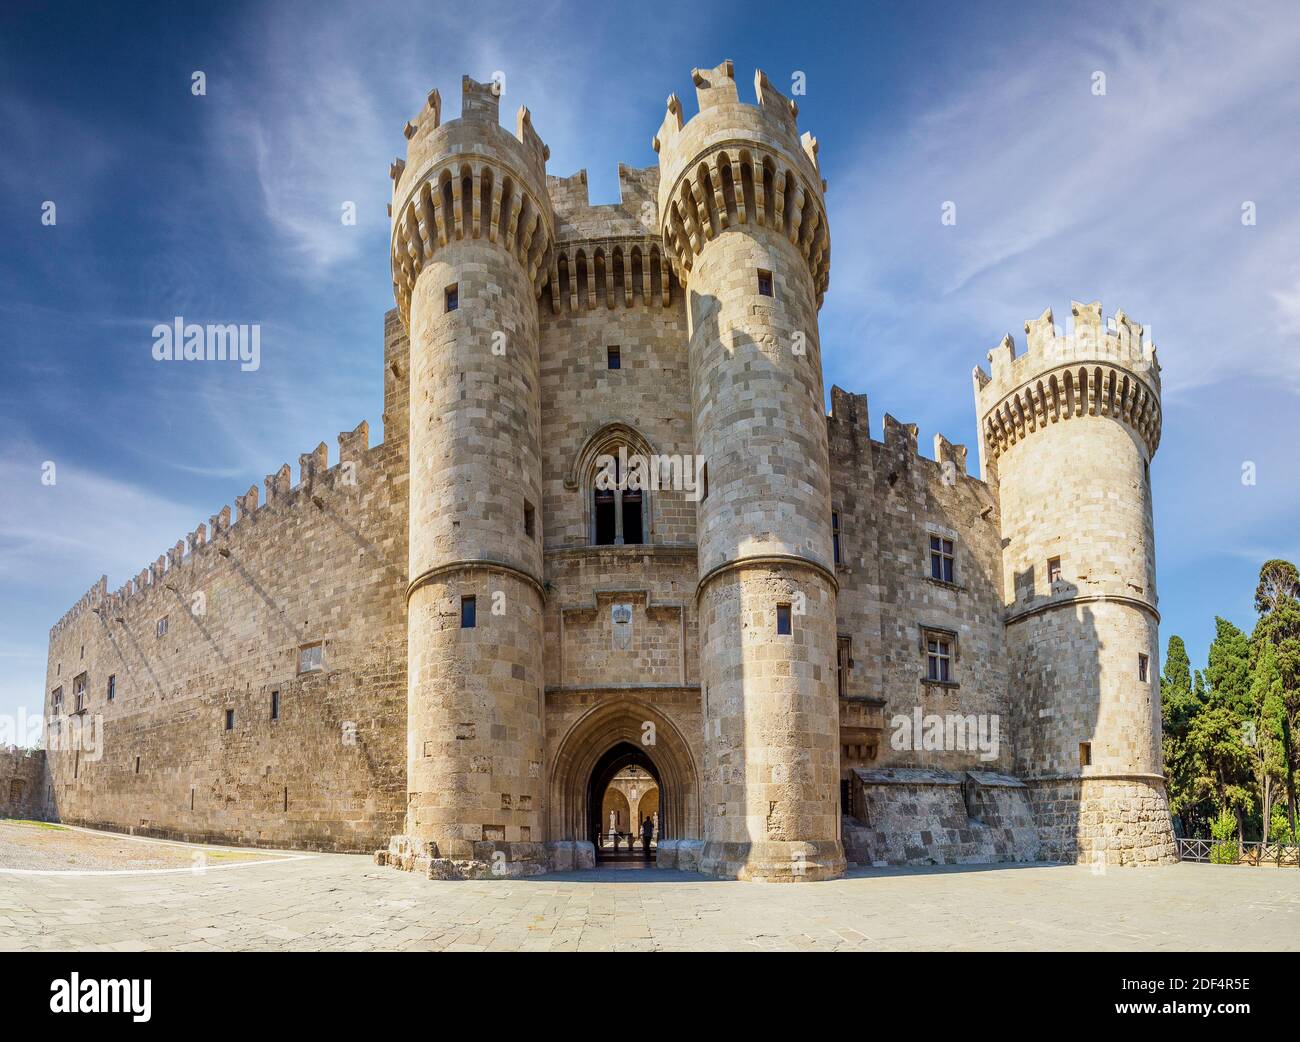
(469, 179)
(1095, 370)
(734, 164)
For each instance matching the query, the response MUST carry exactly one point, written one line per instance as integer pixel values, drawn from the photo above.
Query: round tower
(1067, 432)
(741, 214)
(472, 226)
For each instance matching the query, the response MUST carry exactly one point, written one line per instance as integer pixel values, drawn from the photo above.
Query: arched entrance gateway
(606, 741)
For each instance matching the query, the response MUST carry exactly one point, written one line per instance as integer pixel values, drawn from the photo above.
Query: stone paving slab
(345, 902)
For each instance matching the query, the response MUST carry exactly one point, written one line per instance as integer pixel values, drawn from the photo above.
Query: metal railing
(1280, 855)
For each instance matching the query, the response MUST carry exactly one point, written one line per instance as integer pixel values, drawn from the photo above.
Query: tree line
(1232, 730)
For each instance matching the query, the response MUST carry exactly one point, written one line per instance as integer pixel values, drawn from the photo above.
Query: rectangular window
(468, 613)
(230, 719)
(311, 658)
(161, 629)
(275, 705)
(614, 359)
(137, 765)
(704, 480)
(764, 283)
(783, 621)
(529, 520)
(1053, 570)
(453, 297)
(1142, 668)
(843, 664)
(941, 559)
(57, 701)
(835, 534)
(938, 660)
(112, 686)
(1085, 754)
(79, 691)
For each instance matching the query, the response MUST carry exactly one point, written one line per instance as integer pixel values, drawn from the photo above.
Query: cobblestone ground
(332, 901)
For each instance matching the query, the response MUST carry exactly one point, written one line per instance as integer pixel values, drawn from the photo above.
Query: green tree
(1277, 599)
(1221, 762)
(1179, 705)
(1269, 728)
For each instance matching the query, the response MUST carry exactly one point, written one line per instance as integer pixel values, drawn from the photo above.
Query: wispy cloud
(1133, 196)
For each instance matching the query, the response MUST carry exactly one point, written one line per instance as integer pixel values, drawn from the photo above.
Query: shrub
(1223, 830)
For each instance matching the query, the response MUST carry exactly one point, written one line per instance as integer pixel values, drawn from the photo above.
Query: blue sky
(225, 208)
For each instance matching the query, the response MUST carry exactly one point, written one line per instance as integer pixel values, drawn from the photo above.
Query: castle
(611, 525)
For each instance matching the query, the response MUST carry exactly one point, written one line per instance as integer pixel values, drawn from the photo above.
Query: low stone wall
(1114, 820)
(915, 816)
(24, 784)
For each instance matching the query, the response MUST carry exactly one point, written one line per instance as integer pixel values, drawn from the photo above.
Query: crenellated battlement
(733, 163)
(1097, 368)
(469, 178)
(315, 475)
(899, 440)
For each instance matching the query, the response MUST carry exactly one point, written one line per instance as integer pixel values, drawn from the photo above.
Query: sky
(226, 207)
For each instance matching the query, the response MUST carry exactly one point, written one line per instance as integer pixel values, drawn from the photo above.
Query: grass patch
(34, 824)
(232, 855)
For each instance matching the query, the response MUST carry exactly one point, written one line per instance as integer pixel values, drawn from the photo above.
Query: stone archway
(588, 746)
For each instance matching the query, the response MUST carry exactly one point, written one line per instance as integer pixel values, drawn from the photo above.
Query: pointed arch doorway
(615, 736)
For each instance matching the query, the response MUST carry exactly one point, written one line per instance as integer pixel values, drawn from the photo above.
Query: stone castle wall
(891, 501)
(24, 784)
(322, 562)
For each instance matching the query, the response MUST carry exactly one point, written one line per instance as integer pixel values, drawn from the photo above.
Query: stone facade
(444, 647)
(24, 784)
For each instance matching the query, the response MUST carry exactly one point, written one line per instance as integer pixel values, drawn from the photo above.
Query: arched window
(612, 474)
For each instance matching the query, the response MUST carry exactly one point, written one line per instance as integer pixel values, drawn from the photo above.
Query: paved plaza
(345, 902)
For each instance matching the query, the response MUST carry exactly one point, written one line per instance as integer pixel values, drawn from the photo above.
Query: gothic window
(79, 691)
